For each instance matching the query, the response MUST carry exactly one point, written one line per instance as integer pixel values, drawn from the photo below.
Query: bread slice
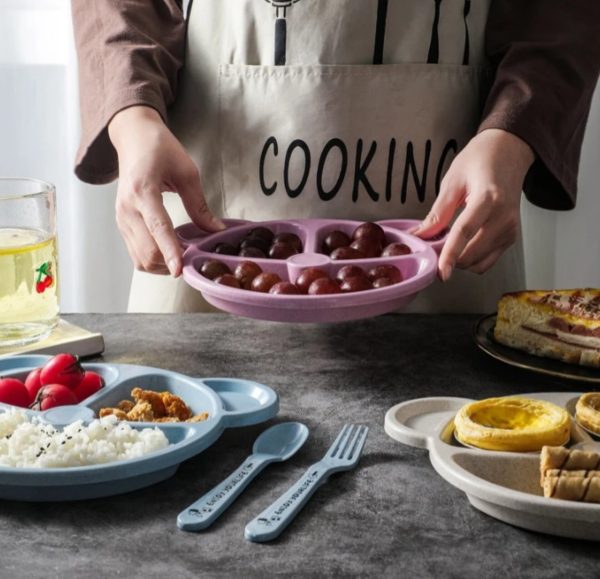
(561, 324)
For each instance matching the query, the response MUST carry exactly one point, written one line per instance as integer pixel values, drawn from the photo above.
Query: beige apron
(331, 108)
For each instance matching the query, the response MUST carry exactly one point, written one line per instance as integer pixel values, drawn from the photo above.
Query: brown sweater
(546, 55)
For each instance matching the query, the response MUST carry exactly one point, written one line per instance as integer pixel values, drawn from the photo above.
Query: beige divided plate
(483, 334)
(504, 485)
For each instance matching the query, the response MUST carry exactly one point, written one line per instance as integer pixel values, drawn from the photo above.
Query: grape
(389, 271)
(349, 271)
(263, 282)
(370, 231)
(284, 287)
(245, 272)
(263, 233)
(214, 268)
(356, 284)
(367, 246)
(257, 242)
(289, 239)
(346, 253)
(395, 249)
(229, 280)
(281, 251)
(225, 248)
(334, 240)
(324, 285)
(251, 252)
(382, 282)
(306, 278)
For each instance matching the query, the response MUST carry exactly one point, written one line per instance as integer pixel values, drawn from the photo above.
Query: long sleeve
(547, 58)
(129, 53)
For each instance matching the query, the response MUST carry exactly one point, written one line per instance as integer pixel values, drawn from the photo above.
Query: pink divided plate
(418, 270)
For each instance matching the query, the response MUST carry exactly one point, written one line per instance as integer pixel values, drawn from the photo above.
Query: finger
(141, 245)
(448, 202)
(490, 237)
(488, 261)
(462, 231)
(192, 196)
(160, 228)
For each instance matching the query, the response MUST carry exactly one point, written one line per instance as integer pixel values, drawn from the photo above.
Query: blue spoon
(275, 444)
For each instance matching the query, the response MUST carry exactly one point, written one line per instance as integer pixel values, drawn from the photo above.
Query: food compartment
(146, 405)
(351, 240)
(273, 240)
(23, 367)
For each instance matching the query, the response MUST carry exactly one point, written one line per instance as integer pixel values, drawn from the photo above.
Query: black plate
(483, 334)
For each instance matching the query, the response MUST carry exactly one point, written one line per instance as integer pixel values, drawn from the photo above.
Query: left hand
(485, 180)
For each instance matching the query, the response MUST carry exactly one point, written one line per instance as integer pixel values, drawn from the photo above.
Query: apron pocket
(341, 141)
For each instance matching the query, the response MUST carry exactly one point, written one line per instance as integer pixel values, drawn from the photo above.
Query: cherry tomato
(53, 395)
(62, 369)
(33, 383)
(90, 384)
(13, 391)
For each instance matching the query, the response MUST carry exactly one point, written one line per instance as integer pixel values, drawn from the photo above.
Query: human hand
(485, 180)
(152, 161)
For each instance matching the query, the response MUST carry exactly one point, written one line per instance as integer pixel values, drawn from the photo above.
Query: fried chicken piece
(175, 406)
(198, 418)
(112, 412)
(167, 419)
(125, 405)
(141, 412)
(153, 398)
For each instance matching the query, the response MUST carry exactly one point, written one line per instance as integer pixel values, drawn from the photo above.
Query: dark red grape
(367, 246)
(213, 268)
(349, 271)
(251, 252)
(229, 280)
(356, 284)
(263, 282)
(395, 249)
(382, 282)
(390, 271)
(289, 239)
(245, 272)
(284, 287)
(324, 285)
(334, 240)
(281, 251)
(305, 279)
(346, 253)
(257, 242)
(370, 231)
(263, 233)
(225, 248)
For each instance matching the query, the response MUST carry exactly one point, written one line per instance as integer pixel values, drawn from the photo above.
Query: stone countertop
(392, 516)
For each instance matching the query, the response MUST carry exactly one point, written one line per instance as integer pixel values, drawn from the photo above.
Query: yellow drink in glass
(29, 297)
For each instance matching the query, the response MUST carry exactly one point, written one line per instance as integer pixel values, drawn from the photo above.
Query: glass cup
(28, 261)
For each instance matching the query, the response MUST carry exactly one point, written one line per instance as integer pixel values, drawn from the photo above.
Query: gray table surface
(391, 517)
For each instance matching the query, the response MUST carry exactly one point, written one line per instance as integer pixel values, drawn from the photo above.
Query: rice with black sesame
(27, 442)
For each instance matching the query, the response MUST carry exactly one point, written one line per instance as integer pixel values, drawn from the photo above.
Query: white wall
(39, 126)
(38, 138)
(562, 249)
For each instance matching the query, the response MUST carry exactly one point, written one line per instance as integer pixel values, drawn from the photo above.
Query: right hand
(152, 161)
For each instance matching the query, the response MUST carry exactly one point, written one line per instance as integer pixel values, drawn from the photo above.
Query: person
(266, 109)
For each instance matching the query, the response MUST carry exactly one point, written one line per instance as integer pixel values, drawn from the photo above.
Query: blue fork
(342, 455)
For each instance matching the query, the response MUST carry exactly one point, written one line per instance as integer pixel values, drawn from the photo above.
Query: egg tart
(512, 424)
(587, 411)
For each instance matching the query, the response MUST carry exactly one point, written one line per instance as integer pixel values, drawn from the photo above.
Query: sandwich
(561, 324)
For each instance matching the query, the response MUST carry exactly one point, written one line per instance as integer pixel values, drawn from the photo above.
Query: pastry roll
(573, 488)
(563, 459)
